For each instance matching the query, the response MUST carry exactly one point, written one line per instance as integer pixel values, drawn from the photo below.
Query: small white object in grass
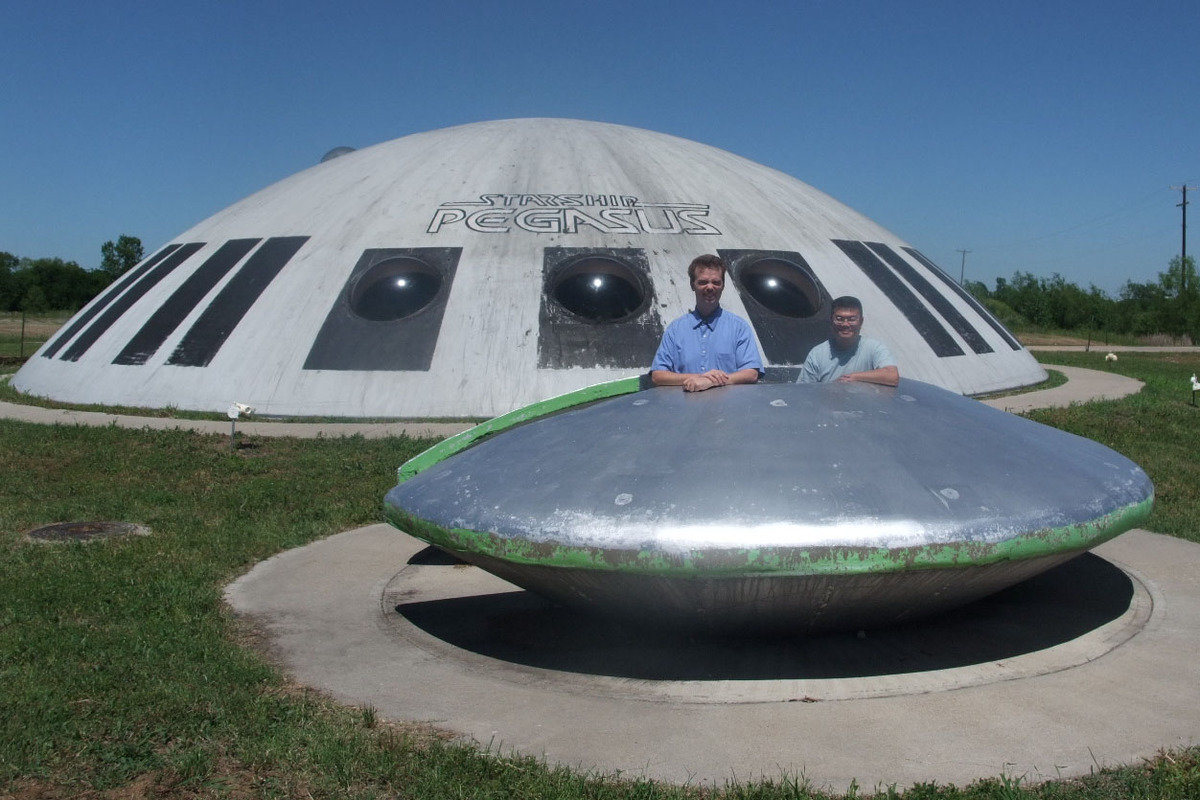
(238, 409)
(1111, 357)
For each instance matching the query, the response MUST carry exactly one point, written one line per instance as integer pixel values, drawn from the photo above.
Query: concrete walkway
(1082, 385)
(1113, 348)
(1090, 665)
(246, 427)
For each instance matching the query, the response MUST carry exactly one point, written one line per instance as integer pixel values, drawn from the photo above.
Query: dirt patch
(1165, 340)
(85, 531)
(243, 445)
(144, 786)
(228, 780)
(35, 327)
(1044, 339)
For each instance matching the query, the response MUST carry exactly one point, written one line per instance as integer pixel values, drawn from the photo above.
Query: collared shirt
(825, 363)
(693, 344)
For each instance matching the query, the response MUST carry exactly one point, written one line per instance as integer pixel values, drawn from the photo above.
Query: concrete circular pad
(1065, 617)
(1092, 664)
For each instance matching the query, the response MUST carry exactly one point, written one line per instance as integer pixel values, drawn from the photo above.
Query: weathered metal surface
(781, 505)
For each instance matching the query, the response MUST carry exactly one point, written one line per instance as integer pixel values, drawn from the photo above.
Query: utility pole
(1183, 246)
(963, 270)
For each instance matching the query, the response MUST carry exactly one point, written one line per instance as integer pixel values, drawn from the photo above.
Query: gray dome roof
(476, 269)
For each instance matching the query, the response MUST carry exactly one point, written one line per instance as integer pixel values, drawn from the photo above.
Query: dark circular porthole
(598, 289)
(781, 286)
(394, 289)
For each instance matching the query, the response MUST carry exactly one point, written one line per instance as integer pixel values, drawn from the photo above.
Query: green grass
(120, 672)
(1157, 428)
(39, 327)
(1053, 378)
(10, 395)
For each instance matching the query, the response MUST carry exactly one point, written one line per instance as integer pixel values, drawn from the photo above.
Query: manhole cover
(85, 531)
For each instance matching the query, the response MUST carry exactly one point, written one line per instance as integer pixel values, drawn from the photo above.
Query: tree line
(1169, 305)
(52, 284)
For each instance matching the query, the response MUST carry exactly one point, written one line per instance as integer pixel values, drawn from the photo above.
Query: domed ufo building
(469, 271)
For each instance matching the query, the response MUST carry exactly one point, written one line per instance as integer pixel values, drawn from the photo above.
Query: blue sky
(1043, 137)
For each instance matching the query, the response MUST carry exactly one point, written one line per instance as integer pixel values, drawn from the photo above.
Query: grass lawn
(23, 336)
(121, 674)
(1157, 428)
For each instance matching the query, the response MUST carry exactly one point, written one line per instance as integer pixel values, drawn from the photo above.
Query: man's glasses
(845, 319)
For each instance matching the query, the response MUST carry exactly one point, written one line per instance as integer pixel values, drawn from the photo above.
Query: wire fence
(22, 334)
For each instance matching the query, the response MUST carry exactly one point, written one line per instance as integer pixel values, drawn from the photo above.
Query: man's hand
(699, 381)
(705, 380)
(886, 376)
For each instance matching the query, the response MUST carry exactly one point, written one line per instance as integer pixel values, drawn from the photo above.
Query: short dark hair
(706, 261)
(846, 301)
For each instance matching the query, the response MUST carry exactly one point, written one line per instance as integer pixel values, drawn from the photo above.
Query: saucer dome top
(476, 269)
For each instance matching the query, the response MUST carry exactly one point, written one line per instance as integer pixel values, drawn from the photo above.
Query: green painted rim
(461, 441)
(778, 561)
(730, 562)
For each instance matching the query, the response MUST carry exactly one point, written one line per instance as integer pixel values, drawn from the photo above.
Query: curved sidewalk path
(373, 617)
(1082, 385)
(1094, 668)
(245, 427)
(1034, 684)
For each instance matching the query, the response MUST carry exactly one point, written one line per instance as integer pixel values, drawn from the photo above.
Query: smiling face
(708, 285)
(847, 326)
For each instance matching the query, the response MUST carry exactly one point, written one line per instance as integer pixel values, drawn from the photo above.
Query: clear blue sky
(1042, 137)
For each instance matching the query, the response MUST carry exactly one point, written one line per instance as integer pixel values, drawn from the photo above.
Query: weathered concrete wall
(290, 300)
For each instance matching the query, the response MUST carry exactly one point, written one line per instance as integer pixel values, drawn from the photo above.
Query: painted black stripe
(935, 298)
(967, 296)
(135, 293)
(204, 339)
(936, 336)
(111, 292)
(180, 304)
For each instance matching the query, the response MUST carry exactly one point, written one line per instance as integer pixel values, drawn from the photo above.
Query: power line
(1146, 201)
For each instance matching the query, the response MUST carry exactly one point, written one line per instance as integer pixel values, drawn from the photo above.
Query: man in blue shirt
(847, 355)
(708, 346)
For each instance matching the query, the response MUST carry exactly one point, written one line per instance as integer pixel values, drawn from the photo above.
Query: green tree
(34, 300)
(1100, 309)
(1180, 314)
(1027, 300)
(1179, 281)
(1139, 309)
(1027, 296)
(117, 259)
(977, 289)
(9, 294)
(64, 285)
(1001, 311)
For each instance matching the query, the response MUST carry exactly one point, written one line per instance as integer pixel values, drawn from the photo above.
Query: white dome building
(469, 271)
